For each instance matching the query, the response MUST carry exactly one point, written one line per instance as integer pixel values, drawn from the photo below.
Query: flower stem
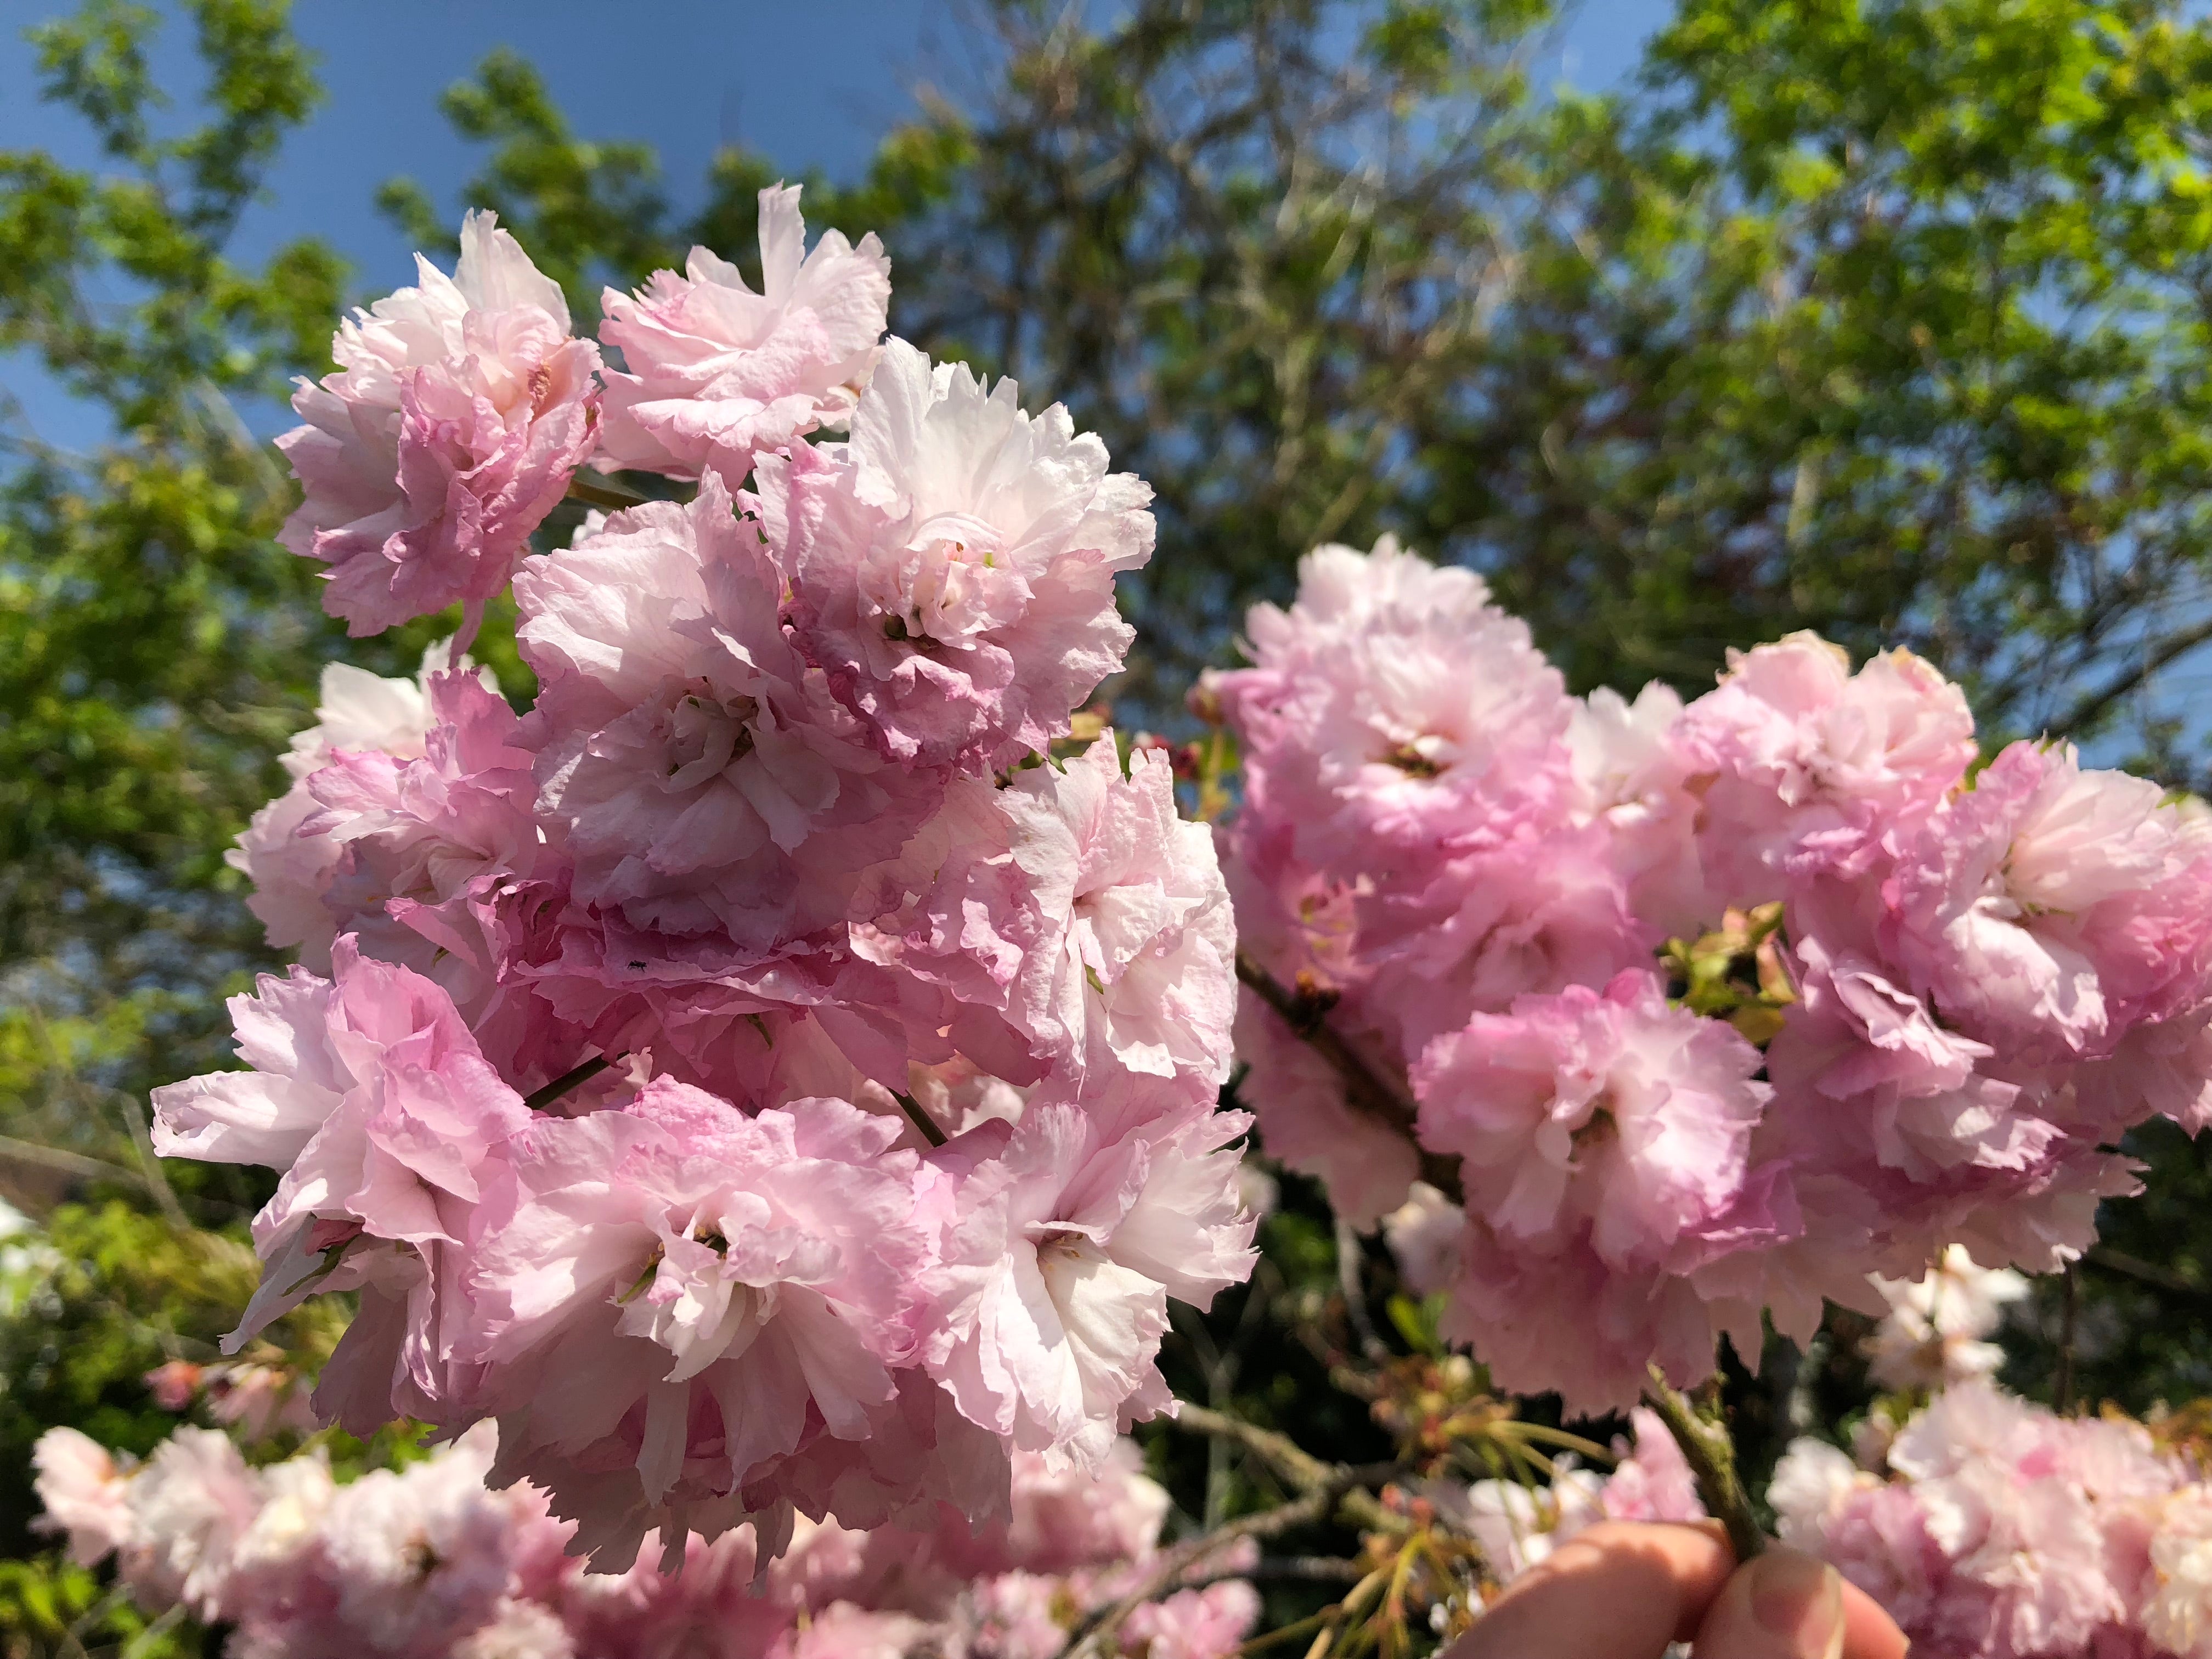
(921, 1119)
(601, 492)
(537, 1100)
(1711, 1457)
(1306, 1015)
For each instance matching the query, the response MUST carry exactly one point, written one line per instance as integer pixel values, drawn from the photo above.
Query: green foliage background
(1887, 317)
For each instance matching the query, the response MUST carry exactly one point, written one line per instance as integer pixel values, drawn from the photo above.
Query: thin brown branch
(1365, 1090)
(917, 1114)
(2093, 705)
(1092, 1638)
(157, 1178)
(2148, 1272)
(1286, 1456)
(69, 1164)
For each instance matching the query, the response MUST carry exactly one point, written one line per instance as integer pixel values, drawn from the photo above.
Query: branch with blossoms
(764, 1098)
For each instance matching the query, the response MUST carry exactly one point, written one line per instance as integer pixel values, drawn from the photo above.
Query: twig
(921, 1119)
(1711, 1457)
(2062, 1386)
(69, 1164)
(1355, 1294)
(2148, 1272)
(157, 1178)
(1364, 1090)
(538, 1099)
(1303, 1569)
(1091, 1636)
(1305, 1472)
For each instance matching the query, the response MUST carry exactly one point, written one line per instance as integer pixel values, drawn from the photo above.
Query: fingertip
(1784, 1605)
(1869, 1632)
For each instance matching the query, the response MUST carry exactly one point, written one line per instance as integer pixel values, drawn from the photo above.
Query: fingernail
(1796, 1596)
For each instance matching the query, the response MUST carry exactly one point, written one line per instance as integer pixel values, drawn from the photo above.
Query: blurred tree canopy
(1887, 317)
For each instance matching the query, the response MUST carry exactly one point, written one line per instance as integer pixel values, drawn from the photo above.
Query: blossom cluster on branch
(1708, 1010)
(775, 1075)
(1991, 1529)
(425, 1563)
(763, 1095)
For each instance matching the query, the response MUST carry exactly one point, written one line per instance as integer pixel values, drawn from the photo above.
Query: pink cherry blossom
(1064, 1254)
(1630, 769)
(2051, 909)
(720, 375)
(1195, 1624)
(2003, 1530)
(422, 1555)
(1611, 1111)
(290, 872)
(952, 565)
(190, 1506)
(699, 774)
(422, 829)
(706, 1291)
(1135, 970)
(1306, 1124)
(371, 1095)
(459, 410)
(1542, 909)
(84, 1494)
(1394, 701)
(1935, 1334)
(1810, 764)
(1652, 1481)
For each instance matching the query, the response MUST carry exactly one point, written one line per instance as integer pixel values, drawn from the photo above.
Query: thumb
(1784, 1605)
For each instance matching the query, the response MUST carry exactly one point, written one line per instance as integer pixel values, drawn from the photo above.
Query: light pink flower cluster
(1907, 1005)
(462, 407)
(459, 410)
(1937, 1329)
(425, 1563)
(764, 1076)
(1992, 1527)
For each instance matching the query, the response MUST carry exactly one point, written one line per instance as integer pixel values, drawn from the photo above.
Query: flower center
(704, 736)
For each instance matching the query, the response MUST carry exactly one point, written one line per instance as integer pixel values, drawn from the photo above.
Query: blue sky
(812, 85)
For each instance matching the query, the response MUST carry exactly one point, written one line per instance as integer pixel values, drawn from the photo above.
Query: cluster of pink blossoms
(1965, 985)
(426, 1563)
(762, 1077)
(1989, 1528)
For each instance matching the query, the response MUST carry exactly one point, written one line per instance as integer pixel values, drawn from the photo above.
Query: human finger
(1789, 1605)
(1620, 1590)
